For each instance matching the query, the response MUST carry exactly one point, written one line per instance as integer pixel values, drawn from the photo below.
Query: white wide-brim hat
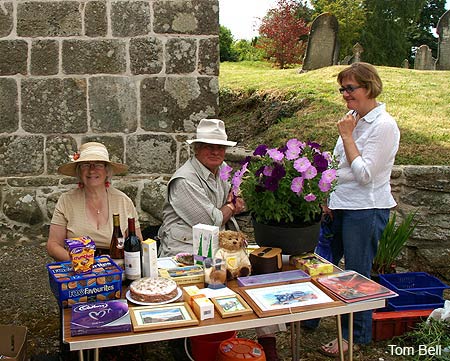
(91, 152)
(212, 131)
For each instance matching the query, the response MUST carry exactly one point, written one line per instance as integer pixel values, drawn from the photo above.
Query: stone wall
(134, 75)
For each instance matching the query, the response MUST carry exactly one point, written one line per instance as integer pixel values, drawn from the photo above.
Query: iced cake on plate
(153, 290)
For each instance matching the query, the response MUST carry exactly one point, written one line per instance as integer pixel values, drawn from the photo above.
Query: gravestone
(405, 64)
(443, 30)
(357, 51)
(424, 58)
(322, 43)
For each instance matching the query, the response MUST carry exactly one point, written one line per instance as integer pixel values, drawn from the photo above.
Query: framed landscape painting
(164, 316)
(231, 305)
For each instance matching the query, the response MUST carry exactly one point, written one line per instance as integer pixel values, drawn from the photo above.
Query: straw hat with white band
(91, 152)
(212, 131)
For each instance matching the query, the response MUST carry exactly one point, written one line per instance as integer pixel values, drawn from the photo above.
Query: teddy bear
(232, 249)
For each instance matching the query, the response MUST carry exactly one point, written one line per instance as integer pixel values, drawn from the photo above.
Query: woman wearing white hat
(88, 209)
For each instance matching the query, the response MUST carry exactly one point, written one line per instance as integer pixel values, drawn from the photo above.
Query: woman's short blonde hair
(366, 75)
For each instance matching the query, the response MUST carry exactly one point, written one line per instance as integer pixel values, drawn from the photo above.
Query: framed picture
(231, 305)
(279, 299)
(164, 316)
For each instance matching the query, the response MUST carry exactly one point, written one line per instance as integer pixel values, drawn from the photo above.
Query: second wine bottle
(132, 253)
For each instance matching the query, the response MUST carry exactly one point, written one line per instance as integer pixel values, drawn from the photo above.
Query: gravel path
(26, 300)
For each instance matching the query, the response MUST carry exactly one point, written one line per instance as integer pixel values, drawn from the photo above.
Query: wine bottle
(116, 246)
(132, 253)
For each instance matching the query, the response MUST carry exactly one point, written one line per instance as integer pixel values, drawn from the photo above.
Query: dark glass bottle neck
(131, 226)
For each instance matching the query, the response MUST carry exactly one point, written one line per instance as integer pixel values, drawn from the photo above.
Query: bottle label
(132, 265)
(120, 242)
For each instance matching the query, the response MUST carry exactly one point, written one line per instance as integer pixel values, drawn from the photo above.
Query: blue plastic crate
(417, 282)
(414, 301)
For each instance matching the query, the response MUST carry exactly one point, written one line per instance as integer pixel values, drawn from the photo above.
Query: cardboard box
(203, 308)
(13, 342)
(190, 293)
(205, 239)
(149, 258)
(103, 283)
(312, 264)
(184, 279)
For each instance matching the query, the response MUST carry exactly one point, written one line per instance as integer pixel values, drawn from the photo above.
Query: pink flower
(225, 172)
(267, 171)
(302, 164)
(310, 173)
(297, 185)
(310, 197)
(329, 175)
(292, 154)
(324, 186)
(275, 154)
(327, 156)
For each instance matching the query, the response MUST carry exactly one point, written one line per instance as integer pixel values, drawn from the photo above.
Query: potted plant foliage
(283, 189)
(391, 243)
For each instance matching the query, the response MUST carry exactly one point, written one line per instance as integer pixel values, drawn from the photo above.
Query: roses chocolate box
(100, 317)
(102, 284)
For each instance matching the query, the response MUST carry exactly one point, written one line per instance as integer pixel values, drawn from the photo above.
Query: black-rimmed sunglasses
(349, 89)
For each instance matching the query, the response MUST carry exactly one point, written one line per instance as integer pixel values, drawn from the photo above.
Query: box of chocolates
(100, 317)
(102, 284)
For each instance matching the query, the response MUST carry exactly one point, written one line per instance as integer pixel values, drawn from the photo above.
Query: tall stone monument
(424, 58)
(322, 43)
(443, 30)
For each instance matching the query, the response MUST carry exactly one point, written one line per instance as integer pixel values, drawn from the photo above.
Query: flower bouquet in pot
(283, 189)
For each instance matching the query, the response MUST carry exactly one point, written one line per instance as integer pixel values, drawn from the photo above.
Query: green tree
(281, 32)
(226, 44)
(384, 36)
(420, 33)
(351, 17)
(245, 50)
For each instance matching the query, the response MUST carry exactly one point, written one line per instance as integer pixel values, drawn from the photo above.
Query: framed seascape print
(164, 316)
(231, 305)
(282, 298)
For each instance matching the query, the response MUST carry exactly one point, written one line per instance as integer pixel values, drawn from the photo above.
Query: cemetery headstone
(322, 43)
(443, 30)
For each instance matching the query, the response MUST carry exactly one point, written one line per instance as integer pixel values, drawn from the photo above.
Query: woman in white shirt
(360, 205)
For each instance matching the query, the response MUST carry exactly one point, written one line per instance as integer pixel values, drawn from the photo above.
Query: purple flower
(310, 173)
(278, 171)
(324, 186)
(297, 185)
(314, 145)
(225, 172)
(310, 197)
(283, 149)
(271, 184)
(275, 154)
(267, 170)
(320, 162)
(294, 144)
(260, 171)
(327, 156)
(302, 164)
(247, 159)
(260, 150)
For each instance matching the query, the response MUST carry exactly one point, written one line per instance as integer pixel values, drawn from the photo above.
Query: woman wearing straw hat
(88, 209)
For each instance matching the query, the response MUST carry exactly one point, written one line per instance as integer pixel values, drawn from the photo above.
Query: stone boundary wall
(136, 75)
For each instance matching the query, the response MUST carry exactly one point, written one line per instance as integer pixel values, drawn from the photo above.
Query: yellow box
(203, 308)
(190, 293)
(312, 264)
(183, 280)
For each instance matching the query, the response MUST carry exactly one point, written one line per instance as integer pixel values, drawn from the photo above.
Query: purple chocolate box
(100, 317)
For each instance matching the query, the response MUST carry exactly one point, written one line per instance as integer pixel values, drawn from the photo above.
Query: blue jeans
(356, 236)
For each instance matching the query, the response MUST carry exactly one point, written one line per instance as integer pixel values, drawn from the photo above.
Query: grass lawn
(418, 100)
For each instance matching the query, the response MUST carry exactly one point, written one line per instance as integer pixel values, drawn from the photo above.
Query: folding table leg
(80, 355)
(350, 336)
(340, 342)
